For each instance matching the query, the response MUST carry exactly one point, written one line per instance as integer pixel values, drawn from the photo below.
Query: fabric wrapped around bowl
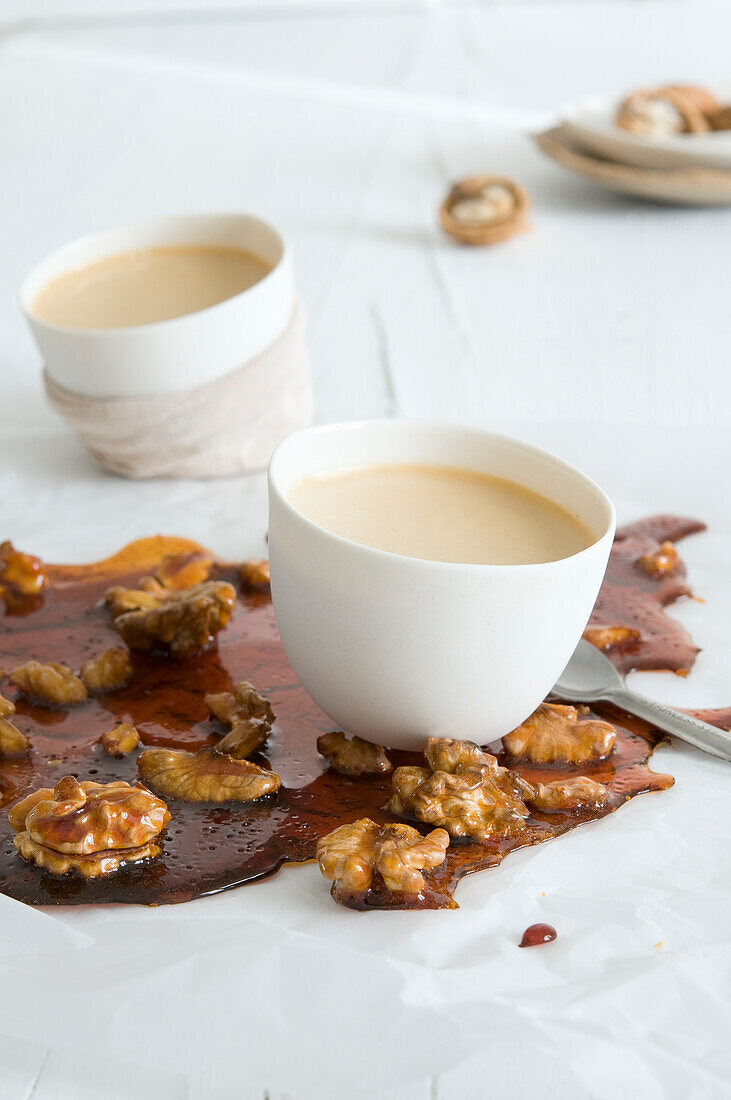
(228, 426)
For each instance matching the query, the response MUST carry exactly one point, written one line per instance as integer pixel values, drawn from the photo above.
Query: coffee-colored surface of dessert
(147, 285)
(211, 847)
(440, 513)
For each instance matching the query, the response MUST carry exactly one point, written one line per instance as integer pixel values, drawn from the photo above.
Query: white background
(601, 334)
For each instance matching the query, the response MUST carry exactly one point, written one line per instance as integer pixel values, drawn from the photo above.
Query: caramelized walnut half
(181, 622)
(353, 756)
(22, 576)
(6, 707)
(108, 672)
(555, 734)
(254, 573)
(395, 855)
(244, 702)
(661, 112)
(249, 715)
(662, 562)
(484, 210)
(205, 776)
(464, 790)
(121, 740)
(581, 793)
(92, 828)
(53, 684)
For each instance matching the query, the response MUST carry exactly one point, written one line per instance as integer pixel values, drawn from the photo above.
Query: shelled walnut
(90, 828)
(108, 672)
(249, 715)
(120, 740)
(180, 622)
(464, 790)
(555, 734)
(611, 637)
(52, 684)
(12, 741)
(484, 210)
(254, 573)
(179, 571)
(353, 756)
(662, 112)
(569, 794)
(663, 562)
(721, 119)
(205, 776)
(22, 576)
(364, 855)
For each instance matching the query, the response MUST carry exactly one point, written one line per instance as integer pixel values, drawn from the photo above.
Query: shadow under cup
(395, 649)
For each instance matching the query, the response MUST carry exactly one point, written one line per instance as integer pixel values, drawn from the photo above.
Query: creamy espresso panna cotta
(440, 513)
(147, 285)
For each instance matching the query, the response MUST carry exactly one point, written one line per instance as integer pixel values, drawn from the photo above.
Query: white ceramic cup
(394, 648)
(183, 352)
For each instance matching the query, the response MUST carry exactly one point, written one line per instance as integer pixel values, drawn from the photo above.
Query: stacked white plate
(693, 169)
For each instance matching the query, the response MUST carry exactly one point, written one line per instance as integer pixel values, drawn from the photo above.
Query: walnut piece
(53, 683)
(554, 734)
(108, 672)
(705, 101)
(244, 702)
(92, 828)
(21, 575)
(353, 756)
(661, 112)
(484, 210)
(662, 562)
(178, 571)
(254, 573)
(120, 740)
(464, 790)
(249, 715)
(6, 707)
(12, 741)
(611, 637)
(180, 622)
(721, 119)
(569, 794)
(351, 855)
(205, 776)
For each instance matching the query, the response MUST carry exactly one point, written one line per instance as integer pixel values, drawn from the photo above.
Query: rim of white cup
(35, 280)
(290, 441)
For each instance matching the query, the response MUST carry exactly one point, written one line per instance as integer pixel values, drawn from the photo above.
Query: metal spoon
(590, 676)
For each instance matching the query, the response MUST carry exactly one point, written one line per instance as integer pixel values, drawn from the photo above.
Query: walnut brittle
(363, 855)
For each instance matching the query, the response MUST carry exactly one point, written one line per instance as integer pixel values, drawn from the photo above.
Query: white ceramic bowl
(591, 125)
(396, 648)
(167, 355)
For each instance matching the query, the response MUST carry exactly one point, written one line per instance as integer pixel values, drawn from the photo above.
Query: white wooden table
(602, 334)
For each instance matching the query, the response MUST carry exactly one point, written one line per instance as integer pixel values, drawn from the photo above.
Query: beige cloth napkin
(228, 426)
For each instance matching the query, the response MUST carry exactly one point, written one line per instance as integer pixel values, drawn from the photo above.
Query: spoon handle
(705, 737)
